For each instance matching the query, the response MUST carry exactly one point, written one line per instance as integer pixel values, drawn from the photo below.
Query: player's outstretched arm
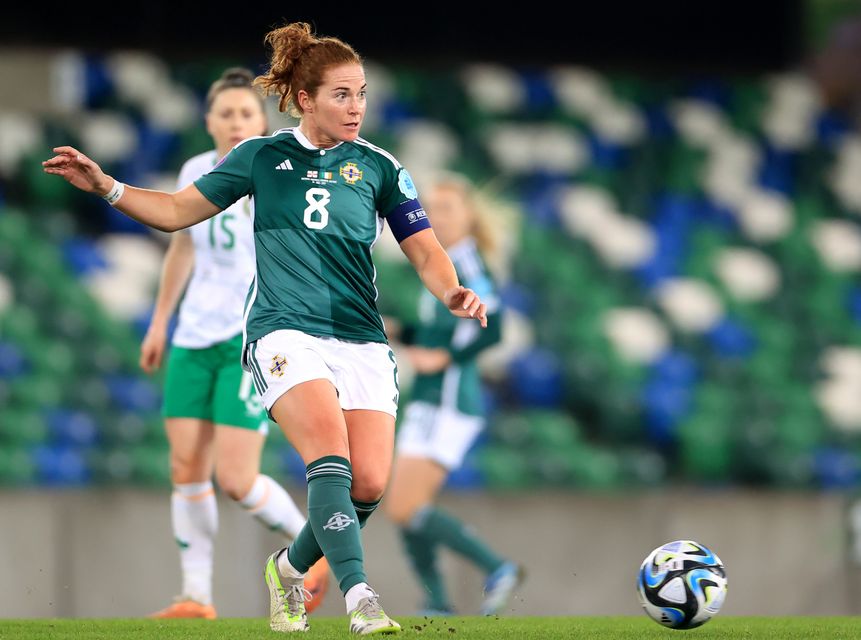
(437, 273)
(157, 209)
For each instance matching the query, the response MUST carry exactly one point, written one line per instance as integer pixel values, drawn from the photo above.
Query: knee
(186, 468)
(368, 488)
(233, 483)
(400, 512)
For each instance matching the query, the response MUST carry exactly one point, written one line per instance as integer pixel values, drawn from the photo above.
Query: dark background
(669, 35)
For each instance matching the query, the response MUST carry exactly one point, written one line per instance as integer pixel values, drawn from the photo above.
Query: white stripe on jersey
(465, 332)
(242, 142)
(245, 364)
(464, 255)
(250, 303)
(380, 224)
(450, 386)
(382, 152)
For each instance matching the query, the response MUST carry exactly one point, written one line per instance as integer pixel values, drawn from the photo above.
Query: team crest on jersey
(279, 364)
(351, 173)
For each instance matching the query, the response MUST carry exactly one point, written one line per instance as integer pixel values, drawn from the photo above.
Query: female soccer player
(212, 416)
(445, 415)
(313, 339)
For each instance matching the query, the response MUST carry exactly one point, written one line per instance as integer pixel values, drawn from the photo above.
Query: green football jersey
(458, 386)
(317, 215)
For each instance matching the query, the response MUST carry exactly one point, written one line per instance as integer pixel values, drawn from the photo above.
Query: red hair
(299, 61)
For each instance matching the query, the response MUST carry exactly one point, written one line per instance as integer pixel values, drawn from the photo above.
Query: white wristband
(115, 193)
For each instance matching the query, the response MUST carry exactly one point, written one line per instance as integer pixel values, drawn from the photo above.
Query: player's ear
(303, 99)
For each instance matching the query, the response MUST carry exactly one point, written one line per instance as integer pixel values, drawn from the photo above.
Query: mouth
(353, 126)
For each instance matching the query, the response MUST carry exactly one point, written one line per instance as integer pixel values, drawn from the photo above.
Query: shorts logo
(338, 522)
(279, 363)
(351, 173)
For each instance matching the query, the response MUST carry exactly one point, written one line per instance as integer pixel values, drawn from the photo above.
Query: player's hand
(152, 349)
(428, 361)
(465, 303)
(78, 170)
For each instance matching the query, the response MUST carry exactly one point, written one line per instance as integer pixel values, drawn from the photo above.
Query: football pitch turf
(455, 628)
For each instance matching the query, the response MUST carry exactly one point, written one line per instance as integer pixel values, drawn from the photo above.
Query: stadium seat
(689, 251)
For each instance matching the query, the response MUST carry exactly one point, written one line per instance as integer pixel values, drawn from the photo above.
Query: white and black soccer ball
(682, 584)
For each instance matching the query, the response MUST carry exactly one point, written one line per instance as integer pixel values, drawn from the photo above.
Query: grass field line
(453, 628)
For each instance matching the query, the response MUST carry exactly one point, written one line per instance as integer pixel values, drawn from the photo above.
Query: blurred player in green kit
(445, 414)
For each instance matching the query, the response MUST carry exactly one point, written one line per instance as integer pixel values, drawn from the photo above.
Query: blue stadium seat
(131, 393)
(837, 468)
(83, 255)
(730, 338)
(61, 466)
(72, 428)
(13, 362)
(665, 404)
(677, 367)
(536, 379)
(468, 475)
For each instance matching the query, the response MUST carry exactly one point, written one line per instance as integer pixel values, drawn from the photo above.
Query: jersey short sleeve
(397, 188)
(398, 203)
(230, 179)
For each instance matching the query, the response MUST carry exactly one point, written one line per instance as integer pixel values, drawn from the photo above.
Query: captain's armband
(406, 219)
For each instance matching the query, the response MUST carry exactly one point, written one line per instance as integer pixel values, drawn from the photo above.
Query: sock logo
(338, 522)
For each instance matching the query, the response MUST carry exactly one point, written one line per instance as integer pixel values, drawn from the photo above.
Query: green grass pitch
(456, 628)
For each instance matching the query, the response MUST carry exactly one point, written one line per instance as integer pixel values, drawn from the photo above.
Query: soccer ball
(681, 584)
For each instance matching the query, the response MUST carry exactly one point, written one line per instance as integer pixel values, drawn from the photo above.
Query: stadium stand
(681, 288)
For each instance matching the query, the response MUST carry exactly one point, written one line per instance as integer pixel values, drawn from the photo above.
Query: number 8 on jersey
(317, 198)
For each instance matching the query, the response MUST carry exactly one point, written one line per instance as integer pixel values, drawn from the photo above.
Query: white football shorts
(365, 374)
(441, 434)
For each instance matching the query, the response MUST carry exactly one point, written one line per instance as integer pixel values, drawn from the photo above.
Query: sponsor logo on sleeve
(416, 216)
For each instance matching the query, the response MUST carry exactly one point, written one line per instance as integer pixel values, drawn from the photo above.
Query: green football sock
(364, 510)
(331, 528)
(441, 527)
(422, 554)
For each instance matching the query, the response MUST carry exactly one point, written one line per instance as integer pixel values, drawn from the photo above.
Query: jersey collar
(303, 140)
